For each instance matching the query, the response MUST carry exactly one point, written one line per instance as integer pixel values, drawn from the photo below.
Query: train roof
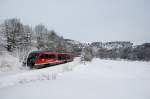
(50, 52)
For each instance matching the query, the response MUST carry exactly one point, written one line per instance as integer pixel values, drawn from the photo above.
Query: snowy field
(100, 79)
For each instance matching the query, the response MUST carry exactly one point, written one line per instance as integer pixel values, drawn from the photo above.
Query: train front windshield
(32, 56)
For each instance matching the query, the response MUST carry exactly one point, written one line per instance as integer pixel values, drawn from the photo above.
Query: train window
(61, 57)
(68, 57)
(42, 56)
(47, 56)
(51, 56)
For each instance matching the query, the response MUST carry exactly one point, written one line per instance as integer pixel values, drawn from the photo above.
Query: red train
(39, 59)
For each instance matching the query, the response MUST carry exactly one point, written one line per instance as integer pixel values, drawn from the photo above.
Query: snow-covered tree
(25, 46)
(42, 35)
(87, 54)
(13, 29)
(53, 41)
(2, 39)
(95, 51)
(17, 37)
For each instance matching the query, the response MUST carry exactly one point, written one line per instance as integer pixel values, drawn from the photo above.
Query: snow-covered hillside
(100, 79)
(112, 45)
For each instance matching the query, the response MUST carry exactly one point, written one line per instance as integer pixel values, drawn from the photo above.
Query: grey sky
(85, 20)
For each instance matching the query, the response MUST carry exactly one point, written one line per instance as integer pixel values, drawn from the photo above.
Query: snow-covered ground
(100, 79)
(8, 62)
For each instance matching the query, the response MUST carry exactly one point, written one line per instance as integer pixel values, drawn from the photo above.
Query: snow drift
(99, 79)
(26, 76)
(9, 62)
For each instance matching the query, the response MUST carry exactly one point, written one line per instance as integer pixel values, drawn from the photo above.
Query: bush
(9, 62)
(87, 54)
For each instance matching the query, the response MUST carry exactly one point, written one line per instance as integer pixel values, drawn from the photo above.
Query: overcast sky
(85, 20)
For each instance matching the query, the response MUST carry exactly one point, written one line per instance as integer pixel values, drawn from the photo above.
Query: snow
(9, 62)
(99, 79)
(11, 78)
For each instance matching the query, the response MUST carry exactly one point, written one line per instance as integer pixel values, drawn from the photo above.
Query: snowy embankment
(9, 63)
(25, 76)
(100, 79)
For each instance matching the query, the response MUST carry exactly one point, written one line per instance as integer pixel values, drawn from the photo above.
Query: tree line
(19, 39)
(116, 50)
